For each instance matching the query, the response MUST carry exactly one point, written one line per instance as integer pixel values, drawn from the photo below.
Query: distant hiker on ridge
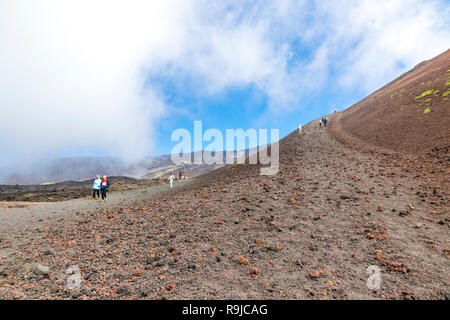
(96, 187)
(104, 188)
(171, 179)
(324, 121)
(300, 127)
(320, 122)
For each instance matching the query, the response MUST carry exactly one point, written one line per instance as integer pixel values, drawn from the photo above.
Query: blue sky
(242, 107)
(101, 78)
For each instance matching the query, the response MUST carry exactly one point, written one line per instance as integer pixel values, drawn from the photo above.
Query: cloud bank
(74, 73)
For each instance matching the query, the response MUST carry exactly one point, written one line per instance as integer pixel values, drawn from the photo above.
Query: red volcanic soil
(337, 206)
(393, 117)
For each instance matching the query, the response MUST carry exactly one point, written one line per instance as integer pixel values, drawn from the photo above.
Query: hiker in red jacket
(104, 188)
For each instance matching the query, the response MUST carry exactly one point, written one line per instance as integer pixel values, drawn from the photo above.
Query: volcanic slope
(411, 114)
(308, 232)
(338, 205)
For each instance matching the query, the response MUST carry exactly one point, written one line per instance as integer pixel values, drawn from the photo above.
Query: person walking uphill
(104, 187)
(171, 178)
(96, 187)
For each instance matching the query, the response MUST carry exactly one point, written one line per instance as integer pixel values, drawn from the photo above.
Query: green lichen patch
(426, 93)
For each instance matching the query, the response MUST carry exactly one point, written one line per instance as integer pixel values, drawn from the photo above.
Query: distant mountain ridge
(83, 168)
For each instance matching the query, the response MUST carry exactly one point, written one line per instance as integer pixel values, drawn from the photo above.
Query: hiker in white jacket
(96, 187)
(171, 180)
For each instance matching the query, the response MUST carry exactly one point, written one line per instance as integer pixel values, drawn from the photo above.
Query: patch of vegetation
(426, 110)
(398, 93)
(426, 93)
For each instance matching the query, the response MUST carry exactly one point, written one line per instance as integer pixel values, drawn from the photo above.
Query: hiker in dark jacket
(104, 188)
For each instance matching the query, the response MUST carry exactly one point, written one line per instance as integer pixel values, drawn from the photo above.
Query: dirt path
(309, 232)
(17, 215)
(18, 218)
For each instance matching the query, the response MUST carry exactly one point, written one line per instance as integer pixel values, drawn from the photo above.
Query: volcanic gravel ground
(308, 232)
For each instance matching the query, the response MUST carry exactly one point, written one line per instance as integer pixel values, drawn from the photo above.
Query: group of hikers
(101, 185)
(324, 121)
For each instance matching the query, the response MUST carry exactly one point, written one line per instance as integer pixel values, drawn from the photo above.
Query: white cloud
(376, 41)
(73, 72)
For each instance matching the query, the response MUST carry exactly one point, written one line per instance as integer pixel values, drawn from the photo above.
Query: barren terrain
(343, 200)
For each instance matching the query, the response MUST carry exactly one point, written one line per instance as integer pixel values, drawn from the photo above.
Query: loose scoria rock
(39, 269)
